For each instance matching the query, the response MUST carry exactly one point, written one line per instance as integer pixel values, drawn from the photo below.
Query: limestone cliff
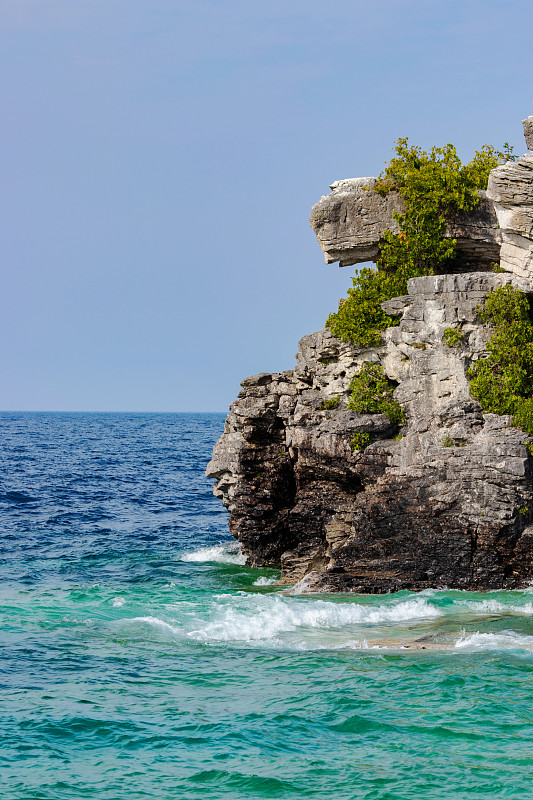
(448, 500)
(350, 222)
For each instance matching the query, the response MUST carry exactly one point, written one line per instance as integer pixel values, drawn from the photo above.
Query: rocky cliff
(447, 499)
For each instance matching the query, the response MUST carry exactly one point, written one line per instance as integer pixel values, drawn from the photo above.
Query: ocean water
(140, 658)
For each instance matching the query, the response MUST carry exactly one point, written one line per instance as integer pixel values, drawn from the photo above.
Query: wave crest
(226, 553)
(272, 616)
(504, 640)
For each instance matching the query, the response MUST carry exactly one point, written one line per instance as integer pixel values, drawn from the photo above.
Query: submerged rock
(447, 500)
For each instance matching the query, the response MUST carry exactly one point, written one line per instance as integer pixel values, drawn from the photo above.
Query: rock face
(447, 500)
(528, 132)
(350, 222)
(443, 505)
(511, 189)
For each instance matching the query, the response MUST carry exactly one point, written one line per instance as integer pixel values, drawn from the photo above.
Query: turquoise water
(141, 659)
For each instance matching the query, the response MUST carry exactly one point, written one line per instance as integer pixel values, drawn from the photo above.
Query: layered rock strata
(448, 503)
(511, 190)
(350, 222)
(447, 500)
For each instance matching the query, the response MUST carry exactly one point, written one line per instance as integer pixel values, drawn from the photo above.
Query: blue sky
(160, 158)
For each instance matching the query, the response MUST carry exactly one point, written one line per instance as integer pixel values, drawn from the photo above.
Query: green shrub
(371, 393)
(434, 185)
(359, 441)
(453, 337)
(447, 441)
(503, 382)
(330, 403)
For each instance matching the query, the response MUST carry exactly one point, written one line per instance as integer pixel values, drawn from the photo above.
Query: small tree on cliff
(434, 186)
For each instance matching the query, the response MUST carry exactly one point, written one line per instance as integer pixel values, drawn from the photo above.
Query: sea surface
(140, 658)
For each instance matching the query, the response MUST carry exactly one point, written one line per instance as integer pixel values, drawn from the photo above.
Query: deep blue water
(141, 659)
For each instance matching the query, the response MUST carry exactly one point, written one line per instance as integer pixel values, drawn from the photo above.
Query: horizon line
(93, 411)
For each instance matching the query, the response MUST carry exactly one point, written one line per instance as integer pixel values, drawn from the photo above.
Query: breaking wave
(227, 553)
(492, 606)
(265, 581)
(504, 640)
(270, 617)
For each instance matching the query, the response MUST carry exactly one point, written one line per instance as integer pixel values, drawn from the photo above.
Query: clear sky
(160, 158)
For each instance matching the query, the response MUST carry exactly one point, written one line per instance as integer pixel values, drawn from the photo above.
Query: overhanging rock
(350, 222)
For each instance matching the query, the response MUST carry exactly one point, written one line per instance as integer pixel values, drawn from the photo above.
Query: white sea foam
(492, 606)
(268, 617)
(504, 640)
(118, 602)
(227, 553)
(303, 586)
(265, 581)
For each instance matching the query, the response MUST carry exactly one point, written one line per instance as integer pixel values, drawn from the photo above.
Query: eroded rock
(350, 222)
(449, 503)
(528, 132)
(445, 501)
(511, 189)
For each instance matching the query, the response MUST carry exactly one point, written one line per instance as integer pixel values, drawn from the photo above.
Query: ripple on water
(141, 658)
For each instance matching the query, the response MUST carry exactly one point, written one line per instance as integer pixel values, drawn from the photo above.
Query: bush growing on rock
(331, 403)
(453, 337)
(434, 185)
(503, 382)
(372, 393)
(359, 441)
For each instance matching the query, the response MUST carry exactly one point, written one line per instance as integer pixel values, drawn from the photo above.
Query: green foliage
(508, 152)
(372, 393)
(523, 415)
(330, 403)
(419, 346)
(359, 441)
(449, 441)
(360, 317)
(434, 186)
(453, 337)
(503, 382)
